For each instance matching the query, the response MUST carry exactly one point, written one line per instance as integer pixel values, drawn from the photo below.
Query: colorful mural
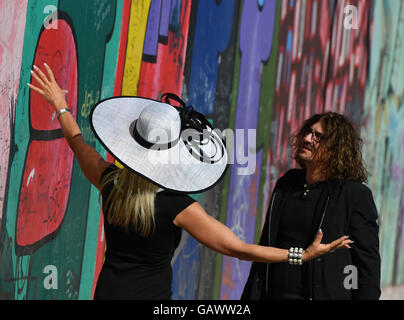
(258, 65)
(383, 132)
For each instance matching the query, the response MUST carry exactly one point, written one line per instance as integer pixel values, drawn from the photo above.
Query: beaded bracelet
(295, 256)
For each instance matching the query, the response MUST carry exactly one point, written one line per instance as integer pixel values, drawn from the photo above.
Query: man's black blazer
(344, 208)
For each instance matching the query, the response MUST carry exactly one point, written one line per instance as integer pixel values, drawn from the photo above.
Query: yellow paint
(90, 98)
(118, 164)
(139, 13)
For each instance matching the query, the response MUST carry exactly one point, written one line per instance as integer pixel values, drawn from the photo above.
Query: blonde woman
(166, 152)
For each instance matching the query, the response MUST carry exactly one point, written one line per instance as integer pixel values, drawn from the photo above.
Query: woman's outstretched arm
(90, 161)
(217, 236)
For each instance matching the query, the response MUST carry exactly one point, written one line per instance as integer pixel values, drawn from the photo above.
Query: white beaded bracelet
(61, 111)
(295, 256)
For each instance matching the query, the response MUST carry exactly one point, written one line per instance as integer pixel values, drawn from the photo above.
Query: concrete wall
(253, 64)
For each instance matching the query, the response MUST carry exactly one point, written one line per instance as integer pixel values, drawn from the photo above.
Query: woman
(142, 221)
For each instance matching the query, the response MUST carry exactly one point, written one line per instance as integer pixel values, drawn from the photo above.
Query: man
(326, 193)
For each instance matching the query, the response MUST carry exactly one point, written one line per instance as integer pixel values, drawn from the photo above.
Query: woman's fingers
(35, 89)
(319, 237)
(41, 75)
(346, 244)
(49, 90)
(343, 245)
(41, 83)
(337, 242)
(50, 73)
(340, 242)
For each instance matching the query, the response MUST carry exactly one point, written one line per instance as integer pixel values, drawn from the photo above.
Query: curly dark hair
(340, 149)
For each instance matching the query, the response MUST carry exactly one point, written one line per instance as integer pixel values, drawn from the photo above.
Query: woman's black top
(289, 281)
(137, 267)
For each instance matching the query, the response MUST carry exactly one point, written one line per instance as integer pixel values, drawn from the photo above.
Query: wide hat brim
(174, 168)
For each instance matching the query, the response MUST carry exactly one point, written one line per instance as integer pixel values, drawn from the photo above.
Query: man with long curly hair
(327, 193)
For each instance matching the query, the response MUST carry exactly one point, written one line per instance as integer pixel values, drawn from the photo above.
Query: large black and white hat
(174, 147)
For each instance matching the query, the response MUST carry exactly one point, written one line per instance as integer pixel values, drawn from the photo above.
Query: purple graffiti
(152, 30)
(161, 15)
(257, 26)
(165, 21)
(175, 17)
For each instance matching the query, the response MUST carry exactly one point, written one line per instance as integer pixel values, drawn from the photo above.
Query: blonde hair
(130, 202)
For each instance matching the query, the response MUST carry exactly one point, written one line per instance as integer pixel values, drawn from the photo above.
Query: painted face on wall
(311, 141)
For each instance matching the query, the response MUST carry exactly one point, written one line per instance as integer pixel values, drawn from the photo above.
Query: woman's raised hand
(49, 89)
(317, 248)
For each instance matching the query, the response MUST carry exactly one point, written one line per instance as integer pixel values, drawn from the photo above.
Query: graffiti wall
(255, 64)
